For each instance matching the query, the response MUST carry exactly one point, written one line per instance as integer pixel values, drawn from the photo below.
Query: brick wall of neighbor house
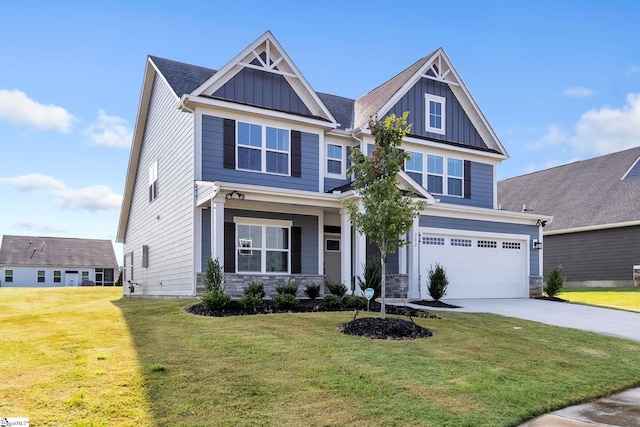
(594, 258)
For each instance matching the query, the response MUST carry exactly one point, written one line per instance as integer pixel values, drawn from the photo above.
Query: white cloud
(17, 107)
(94, 198)
(40, 228)
(33, 181)
(109, 131)
(577, 92)
(634, 70)
(554, 137)
(609, 129)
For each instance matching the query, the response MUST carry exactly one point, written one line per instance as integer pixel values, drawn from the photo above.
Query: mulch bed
(430, 303)
(371, 327)
(556, 299)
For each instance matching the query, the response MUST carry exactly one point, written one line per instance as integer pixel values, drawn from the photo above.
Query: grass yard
(87, 357)
(621, 298)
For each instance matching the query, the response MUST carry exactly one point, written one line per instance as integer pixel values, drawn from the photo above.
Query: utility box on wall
(636, 275)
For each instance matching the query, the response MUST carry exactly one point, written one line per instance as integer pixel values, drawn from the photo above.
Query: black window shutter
(296, 153)
(229, 247)
(229, 142)
(296, 250)
(403, 162)
(467, 179)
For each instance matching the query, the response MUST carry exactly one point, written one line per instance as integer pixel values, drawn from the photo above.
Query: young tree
(388, 212)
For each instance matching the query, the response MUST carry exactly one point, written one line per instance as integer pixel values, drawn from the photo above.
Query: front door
(332, 258)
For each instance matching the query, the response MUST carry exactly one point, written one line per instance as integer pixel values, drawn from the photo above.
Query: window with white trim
(461, 242)
(335, 159)
(262, 246)
(153, 181)
(435, 174)
(85, 276)
(511, 245)
(414, 166)
(41, 276)
(428, 240)
(263, 149)
(8, 276)
(332, 245)
(441, 181)
(455, 173)
(435, 119)
(57, 276)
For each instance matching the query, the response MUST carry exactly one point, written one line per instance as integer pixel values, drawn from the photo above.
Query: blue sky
(558, 81)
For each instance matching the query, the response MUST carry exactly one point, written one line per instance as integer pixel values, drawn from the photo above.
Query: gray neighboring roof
(183, 78)
(56, 252)
(581, 194)
(340, 108)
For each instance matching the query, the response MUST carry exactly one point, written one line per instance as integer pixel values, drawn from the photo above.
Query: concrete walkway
(619, 410)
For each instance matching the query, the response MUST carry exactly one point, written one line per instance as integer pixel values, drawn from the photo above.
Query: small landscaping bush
(290, 288)
(355, 302)
(215, 298)
(438, 282)
(332, 301)
(372, 278)
(337, 289)
(252, 295)
(285, 301)
(555, 282)
(312, 291)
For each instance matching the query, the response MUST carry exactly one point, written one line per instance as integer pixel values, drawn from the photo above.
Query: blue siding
(206, 237)
(263, 89)
(330, 183)
(458, 127)
(309, 225)
(488, 227)
(481, 188)
(213, 170)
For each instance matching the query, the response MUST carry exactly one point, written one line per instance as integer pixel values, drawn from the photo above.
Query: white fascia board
(483, 214)
(192, 102)
(593, 228)
(469, 152)
(406, 179)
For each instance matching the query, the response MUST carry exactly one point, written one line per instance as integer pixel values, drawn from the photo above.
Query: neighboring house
(595, 203)
(29, 261)
(248, 164)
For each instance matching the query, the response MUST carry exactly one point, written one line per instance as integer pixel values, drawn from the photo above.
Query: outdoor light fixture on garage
(234, 195)
(537, 244)
(541, 223)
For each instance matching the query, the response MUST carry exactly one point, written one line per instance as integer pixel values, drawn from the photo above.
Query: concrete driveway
(605, 321)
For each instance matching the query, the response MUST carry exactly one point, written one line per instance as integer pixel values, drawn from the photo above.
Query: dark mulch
(546, 298)
(372, 327)
(431, 303)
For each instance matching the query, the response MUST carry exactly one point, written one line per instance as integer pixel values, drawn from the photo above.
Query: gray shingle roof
(57, 251)
(183, 78)
(581, 194)
(340, 108)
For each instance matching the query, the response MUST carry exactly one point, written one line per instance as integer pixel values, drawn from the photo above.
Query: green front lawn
(621, 298)
(89, 357)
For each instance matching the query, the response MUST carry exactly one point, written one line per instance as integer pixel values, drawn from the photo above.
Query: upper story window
(414, 166)
(449, 182)
(263, 149)
(153, 181)
(335, 159)
(435, 113)
(262, 246)
(8, 276)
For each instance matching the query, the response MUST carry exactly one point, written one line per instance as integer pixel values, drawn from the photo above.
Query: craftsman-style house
(248, 164)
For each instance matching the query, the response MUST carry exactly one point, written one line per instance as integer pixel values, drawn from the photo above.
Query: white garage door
(478, 266)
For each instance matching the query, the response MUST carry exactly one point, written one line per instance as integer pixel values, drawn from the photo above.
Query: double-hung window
(414, 166)
(262, 245)
(335, 156)
(435, 119)
(57, 276)
(41, 276)
(153, 181)
(455, 172)
(263, 149)
(435, 174)
(8, 276)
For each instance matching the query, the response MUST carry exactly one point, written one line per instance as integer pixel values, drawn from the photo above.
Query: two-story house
(248, 164)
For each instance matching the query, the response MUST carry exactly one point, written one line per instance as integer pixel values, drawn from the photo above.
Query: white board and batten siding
(165, 225)
(478, 265)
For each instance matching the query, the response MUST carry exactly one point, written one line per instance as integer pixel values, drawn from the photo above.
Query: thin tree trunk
(383, 281)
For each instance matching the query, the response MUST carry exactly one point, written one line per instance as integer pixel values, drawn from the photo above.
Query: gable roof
(587, 193)
(57, 252)
(182, 78)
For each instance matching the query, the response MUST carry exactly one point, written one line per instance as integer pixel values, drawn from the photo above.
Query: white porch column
(402, 255)
(360, 255)
(415, 279)
(217, 229)
(345, 252)
(321, 243)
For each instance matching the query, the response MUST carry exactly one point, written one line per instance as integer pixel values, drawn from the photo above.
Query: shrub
(438, 282)
(372, 278)
(285, 301)
(290, 288)
(252, 295)
(312, 291)
(337, 289)
(354, 301)
(215, 300)
(555, 282)
(332, 301)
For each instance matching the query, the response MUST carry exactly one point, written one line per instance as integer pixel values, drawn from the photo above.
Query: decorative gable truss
(265, 55)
